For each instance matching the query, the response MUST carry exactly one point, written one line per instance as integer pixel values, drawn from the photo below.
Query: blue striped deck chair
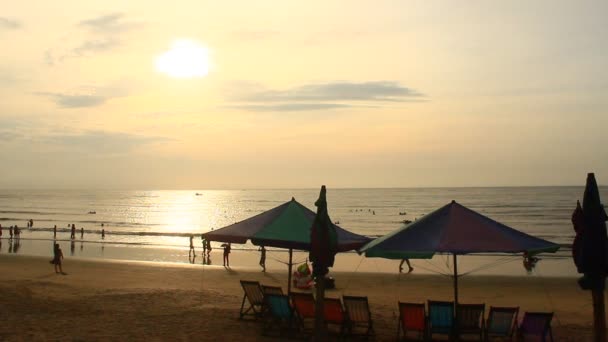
(440, 318)
(279, 314)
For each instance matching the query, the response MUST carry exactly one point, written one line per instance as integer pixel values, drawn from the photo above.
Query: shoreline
(126, 300)
(551, 265)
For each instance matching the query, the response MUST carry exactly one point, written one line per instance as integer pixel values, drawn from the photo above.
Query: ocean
(165, 218)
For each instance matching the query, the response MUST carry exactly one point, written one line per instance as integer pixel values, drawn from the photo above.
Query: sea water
(164, 219)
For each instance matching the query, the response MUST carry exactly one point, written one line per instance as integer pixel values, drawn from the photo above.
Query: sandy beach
(112, 300)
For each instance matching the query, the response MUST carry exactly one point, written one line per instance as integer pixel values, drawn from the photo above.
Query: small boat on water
(198, 194)
(92, 212)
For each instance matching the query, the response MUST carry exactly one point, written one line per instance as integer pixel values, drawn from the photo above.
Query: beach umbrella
(589, 251)
(456, 230)
(286, 226)
(323, 243)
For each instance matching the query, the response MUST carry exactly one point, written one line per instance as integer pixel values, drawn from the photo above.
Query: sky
(286, 94)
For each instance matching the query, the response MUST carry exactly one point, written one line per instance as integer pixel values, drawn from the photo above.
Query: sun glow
(185, 59)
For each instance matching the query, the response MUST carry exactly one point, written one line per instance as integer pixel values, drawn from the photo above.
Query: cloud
(340, 91)
(76, 101)
(108, 23)
(290, 107)
(321, 96)
(86, 96)
(249, 35)
(94, 141)
(9, 24)
(100, 45)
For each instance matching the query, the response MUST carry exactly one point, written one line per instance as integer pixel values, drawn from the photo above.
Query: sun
(185, 59)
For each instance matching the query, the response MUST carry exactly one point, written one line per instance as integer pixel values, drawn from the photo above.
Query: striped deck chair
(279, 314)
(334, 314)
(304, 306)
(254, 296)
(536, 324)
(412, 317)
(358, 314)
(440, 319)
(470, 319)
(502, 322)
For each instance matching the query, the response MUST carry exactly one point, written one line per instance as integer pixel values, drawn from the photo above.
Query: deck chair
(254, 296)
(502, 322)
(358, 314)
(412, 317)
(304, 306)
(470, 319)
(536, 324)
(266, 290)
(440, 319)
(334, 314)
(279, 314)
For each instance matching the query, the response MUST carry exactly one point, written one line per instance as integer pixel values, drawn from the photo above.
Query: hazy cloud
(86, 96)
(102, 141)
(9, 24)
(337, 91)
(290, 107)
(321, 96)
(248, 35)
(99, 45)
(108, 23)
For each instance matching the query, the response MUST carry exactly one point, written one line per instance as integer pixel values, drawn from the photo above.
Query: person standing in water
(57, 258)
(73, 232)
(55, 231)
(81, 233)
(191, 251)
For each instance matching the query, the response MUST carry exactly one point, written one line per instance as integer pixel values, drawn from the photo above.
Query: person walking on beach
(226, 254)
(208, 243)
(204, 243)
(0, 231)
(407, 261)
(103, 233)
(10, 231)
(73, 234)
(57, 258)
(55, 231)
(17, 232)
(263, 258)
(81, 233)
(191, 251)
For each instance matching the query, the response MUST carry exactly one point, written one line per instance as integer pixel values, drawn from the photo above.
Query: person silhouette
(227, 249)
(73, 232)
(55, 231)
(263, 258)
(407, 261)
(191, 251)
(57, 258)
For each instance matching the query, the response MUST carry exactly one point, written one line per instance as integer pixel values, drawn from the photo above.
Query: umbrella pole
(455, 296)
(289, 274)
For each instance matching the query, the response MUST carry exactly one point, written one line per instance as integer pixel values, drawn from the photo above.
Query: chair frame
(256, 300)
(479, 328)
(546, 329)
(352, 323)
(429, 326)
(268, 289)
(400, 326)
(514, 310)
